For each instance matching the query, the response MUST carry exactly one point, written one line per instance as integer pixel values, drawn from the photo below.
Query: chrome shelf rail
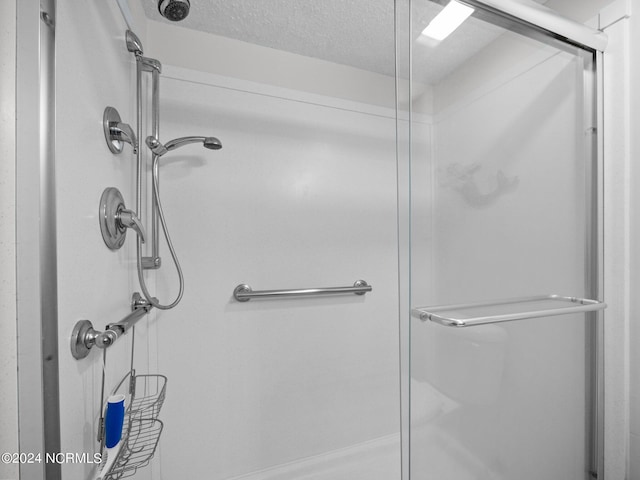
(484, 313)
(244, 293)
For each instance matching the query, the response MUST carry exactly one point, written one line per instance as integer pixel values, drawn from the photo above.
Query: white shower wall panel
(93, 70)
(303, 194)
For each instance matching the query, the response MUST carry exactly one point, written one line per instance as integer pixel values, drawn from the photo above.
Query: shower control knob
(128, 219)
(116, 132)
(115, 219)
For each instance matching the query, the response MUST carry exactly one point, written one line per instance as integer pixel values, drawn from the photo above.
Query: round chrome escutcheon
(111, 117)
(113, 233)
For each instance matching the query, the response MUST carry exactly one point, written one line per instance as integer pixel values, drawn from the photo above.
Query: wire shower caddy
(142, 428)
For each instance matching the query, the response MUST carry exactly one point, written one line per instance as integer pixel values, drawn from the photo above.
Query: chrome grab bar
(462, 315)
(130, 320)
(244, 293)
(84, 337)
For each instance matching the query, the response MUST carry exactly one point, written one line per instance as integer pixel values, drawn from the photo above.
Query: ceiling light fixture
(449, 18)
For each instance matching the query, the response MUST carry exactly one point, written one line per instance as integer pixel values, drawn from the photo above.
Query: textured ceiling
(359, 33)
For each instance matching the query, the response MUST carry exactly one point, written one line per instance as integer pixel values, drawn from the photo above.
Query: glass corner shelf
(483, 313)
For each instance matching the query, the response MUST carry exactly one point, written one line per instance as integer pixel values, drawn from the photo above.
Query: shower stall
(392, 262)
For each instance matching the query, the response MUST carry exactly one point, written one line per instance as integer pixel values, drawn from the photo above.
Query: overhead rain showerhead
(174, 10)
(159, 149)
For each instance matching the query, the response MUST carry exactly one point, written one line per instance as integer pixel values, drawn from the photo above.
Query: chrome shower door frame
(540, 23)
(36, 251)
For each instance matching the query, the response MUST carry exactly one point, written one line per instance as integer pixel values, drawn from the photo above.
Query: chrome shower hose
(156, 199)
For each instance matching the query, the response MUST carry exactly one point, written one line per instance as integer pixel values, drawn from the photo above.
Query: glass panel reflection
(500, 205)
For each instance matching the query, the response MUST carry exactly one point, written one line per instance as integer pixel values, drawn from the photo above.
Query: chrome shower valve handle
(124, 133)
(115, 218)
(128, 219)
(116, 132)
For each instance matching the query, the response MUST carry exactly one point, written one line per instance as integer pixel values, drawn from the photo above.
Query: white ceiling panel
(358, 33)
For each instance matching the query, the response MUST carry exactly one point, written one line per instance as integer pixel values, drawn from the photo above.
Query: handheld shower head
(212, 143)
(159, 149)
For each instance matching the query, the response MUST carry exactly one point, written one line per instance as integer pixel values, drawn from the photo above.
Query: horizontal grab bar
(130, 320)
(84, 337)
(244, 293)
(463, 315)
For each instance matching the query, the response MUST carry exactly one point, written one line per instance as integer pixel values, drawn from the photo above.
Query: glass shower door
(503, 206)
